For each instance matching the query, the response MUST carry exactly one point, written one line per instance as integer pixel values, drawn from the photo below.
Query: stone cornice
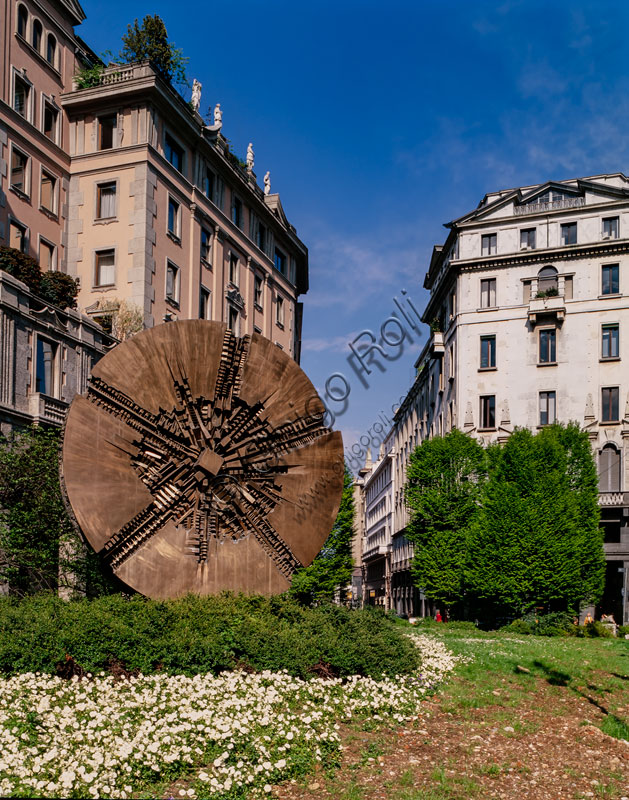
(607, 248)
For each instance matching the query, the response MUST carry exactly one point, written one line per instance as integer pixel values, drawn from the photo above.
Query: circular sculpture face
(199, 461)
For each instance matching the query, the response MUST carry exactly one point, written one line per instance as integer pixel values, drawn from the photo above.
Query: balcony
(554, 205)
(437, 346)
(544, 306)
(613, 499)
(375, 551)
(47, 409)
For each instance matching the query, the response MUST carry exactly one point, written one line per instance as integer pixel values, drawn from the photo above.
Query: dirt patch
(542, 744)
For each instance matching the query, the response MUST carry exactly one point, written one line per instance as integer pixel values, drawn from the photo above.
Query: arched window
(547, 280)
(609, 469)
(51, 49)
(22, 20)
(37, 33)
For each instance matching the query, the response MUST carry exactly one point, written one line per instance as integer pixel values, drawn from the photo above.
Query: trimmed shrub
(596, 630)
(194, 635)
(21, 266)
(559, 623)
(59, 289)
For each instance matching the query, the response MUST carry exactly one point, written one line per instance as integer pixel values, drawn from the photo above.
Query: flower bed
(226, 735)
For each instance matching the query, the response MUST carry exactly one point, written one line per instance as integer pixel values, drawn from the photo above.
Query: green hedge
(199, 635)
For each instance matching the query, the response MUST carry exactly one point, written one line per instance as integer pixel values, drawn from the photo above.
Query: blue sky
(380, 122)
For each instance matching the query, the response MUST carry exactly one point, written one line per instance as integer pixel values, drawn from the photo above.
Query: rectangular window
(18, 238)
(21, 97)
(48, 192)
(172, 282)
(208, 184)
(487, 352)
(205, 304)
(569, 233)
(46, 255)
(257, 291)
(488, 293)
(279, 312)
(610, 283)
(237, 215)
(105, 268)
(173, 153)
(233, 269)
(528, 239)
(280, 261)
(46, 367)
(106, 200)
(19, 171)
(106, 130)
(610, 228)
(610, 341)
(609, 404)
(50, 122)
(488, 412)
(260, 239)
(546, 408)
(206, 246)
(489, 243)
(174, 221)
(547, 346)
(232, 320)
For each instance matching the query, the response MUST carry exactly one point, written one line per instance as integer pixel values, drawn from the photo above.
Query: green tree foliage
(535, 541)
(59, 289)
(332, 568)
(52, 287)
(445, 481)
(150, 41)
(33, 521)
(23, 267)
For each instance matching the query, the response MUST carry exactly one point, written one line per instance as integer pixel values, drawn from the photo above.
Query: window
(528, 239)
(610, 341)
(172, 283)
(51, 50)
(105, 268)
(489, 244)
(569, 233)
(547, 280)
(205, 304)
(488, 293)
(19, 171)
(488, 412)
(173, 153)
(237, 211)
(547, 346)
(609, 469)
(260, 239)
(206, 246)
(610, 228)
(36, 35)
(609, 404)
(48, 192)
(208, 184)
(174, 218)
(18, 236)
(609, 279)
(46, 255)
(106, 200)
(233, 269)
(21, 97)
(279, 312)
(232, 320)
(106, 129)
(46, 367)
(50, 121)
(257, 291)
(546, 408)
(487, 352)
(22, 20)
(280, 261)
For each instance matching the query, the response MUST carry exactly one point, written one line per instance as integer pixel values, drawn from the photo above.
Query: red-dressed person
(438, 617)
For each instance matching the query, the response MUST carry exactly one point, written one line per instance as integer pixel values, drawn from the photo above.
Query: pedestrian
(438, 616)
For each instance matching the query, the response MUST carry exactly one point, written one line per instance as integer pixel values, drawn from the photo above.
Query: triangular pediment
(72, 9)
(273, 202)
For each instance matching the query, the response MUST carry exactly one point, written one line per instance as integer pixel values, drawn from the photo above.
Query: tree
(52, 287)
(536, 540)
(150, 41)
(332, 568)
(444, 486)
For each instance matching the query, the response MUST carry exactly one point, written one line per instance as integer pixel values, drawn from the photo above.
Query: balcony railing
(547, 305)
(553, 205)
(437, 346)
(613, 498)
(47, 409)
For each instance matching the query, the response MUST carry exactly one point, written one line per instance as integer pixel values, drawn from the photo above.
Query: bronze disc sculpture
(199, 461)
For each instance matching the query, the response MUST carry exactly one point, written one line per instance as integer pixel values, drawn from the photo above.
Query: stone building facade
(529, 311)
(123, 185)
